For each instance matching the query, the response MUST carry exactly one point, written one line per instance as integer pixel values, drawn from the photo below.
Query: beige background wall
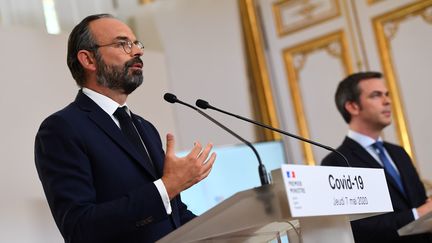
(34, 85)
(36, 82)
(195, 50)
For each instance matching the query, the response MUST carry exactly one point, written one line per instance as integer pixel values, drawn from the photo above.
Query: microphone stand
(261, 168)
(205, 105)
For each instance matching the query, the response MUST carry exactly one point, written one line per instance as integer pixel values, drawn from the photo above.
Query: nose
(136, 51)
(387, 100)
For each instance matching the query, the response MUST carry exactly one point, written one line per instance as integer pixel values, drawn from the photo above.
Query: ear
(87, 60)
(352, 107)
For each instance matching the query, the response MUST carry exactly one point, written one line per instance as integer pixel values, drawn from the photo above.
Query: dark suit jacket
(98, 187)
(383, 228)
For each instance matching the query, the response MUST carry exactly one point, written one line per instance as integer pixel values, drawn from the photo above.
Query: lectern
(419, 226)
(312, 202)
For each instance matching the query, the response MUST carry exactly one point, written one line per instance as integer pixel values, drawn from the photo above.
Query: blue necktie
(388, 167)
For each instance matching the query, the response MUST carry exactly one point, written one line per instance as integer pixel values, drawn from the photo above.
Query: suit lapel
(361, 154)
(396, 157)
(105, 123)
(152, 147)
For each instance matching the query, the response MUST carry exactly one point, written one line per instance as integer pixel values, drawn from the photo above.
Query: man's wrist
(415, 213)
(164, 195)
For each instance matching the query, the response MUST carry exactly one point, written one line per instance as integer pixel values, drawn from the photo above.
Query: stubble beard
(118, 77)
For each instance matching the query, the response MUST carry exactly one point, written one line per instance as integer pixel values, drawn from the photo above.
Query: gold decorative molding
(303, 14)
(370, 2)
(336, 45)
(385, 27)
(390, 29)
(362, 64)
(427, 15)
(262, 95)
(145, 1)
(392, 26)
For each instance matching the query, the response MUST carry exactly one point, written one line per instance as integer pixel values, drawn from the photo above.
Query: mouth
(387, 113)
(135, 63)
(137, 66)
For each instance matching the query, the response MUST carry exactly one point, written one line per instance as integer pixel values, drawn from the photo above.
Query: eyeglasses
(126, 44)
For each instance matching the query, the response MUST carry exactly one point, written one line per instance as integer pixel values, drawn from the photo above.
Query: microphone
(205, 105)
(171, 98)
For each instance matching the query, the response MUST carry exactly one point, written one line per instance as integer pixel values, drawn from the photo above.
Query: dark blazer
(99, 188)
(383, 228)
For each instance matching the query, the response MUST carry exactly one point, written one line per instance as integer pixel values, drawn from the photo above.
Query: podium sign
(329, 190)
(322, 200)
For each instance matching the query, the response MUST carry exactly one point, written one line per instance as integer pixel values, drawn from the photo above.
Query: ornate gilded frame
(295, 58)
(308, 13)
(259, 72)
(385, 27)
(370, 2)
(145, 1)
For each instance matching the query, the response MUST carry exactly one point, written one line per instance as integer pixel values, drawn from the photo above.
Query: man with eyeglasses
(103, 169)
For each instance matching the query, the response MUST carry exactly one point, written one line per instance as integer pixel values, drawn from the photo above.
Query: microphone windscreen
(202, 104)
(170, 98)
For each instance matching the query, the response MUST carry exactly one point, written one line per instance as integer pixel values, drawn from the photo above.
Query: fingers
(170, 144)
(181, 173)
(196, 150)
(207, 166)
(425, 208)
(210, 161)
(205, 152)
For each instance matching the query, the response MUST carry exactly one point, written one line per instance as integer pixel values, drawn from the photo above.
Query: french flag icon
(291, 174)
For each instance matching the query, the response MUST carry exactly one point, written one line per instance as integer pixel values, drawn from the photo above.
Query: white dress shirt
(110, 106)
(367, 142)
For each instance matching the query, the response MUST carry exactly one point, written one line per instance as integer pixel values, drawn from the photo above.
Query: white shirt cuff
(164, 195)
(415, 214)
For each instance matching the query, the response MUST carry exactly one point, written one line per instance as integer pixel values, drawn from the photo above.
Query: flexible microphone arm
(205, 105)
(171, 98)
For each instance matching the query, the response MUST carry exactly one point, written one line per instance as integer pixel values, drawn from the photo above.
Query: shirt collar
(104, 102)
(363, 140)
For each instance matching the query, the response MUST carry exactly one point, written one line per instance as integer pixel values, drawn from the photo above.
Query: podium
(418, 226)
(313, 203)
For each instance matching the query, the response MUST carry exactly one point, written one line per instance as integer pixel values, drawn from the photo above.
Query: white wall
(36, 82)
(203, 46)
